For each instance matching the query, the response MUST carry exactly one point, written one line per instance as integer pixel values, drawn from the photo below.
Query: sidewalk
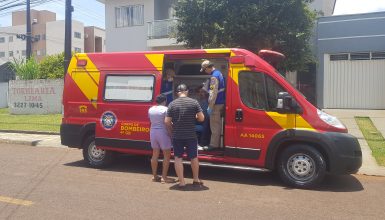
(369, 164)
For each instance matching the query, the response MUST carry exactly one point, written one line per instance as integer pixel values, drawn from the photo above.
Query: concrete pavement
(346, 116)
(369, 166)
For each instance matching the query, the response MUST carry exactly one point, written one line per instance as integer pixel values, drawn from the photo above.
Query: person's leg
(155, 154)
(179, 170)
(216, 126)
(166, 164)
(154, 164)
(178, 154)
(192, 153)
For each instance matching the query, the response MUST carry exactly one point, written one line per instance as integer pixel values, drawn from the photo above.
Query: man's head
(207, 66)
(160, 99)
(182, 90)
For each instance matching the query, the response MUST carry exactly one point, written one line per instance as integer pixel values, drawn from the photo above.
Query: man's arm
(200, 116)
(168, 123)
(213, 91)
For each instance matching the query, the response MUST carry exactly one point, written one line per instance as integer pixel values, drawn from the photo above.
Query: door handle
(94, 100)
(239, 115)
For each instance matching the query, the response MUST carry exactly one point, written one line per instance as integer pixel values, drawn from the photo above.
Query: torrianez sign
(40, 96)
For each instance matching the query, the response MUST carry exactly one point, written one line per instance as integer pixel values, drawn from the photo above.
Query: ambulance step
(226, 166)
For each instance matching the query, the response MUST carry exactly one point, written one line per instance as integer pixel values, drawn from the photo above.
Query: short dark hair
(181, 88)
(160, 99)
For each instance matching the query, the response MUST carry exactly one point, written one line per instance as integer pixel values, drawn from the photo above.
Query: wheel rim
(94, 153)
(301, 167)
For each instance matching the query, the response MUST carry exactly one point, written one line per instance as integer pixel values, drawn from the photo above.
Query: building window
(10, 39)
(127, 16)
(129, 88)
(78, 50)
(2, 54)
(378, 55)
(336, 57)
(2, 39)
(78, 35)
(360, 56)
(10, 53)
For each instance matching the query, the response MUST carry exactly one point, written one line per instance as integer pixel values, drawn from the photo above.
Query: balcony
(162, 33)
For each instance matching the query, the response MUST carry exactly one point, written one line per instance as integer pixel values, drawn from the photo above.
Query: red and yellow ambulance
(267, 124)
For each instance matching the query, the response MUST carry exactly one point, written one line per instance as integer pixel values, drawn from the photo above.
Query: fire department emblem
(108, 120)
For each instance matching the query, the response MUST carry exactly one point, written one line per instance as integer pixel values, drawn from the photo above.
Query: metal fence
(162, 29)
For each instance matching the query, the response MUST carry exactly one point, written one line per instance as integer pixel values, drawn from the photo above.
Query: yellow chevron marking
(235, 69)
(290, 121)
(15, 201)
(156, 60)
(86, 78)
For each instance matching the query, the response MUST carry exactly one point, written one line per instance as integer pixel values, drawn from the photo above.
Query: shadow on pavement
(141, 164)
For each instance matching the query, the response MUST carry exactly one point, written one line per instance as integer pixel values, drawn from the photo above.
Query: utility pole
(68, 35)
(29, 32)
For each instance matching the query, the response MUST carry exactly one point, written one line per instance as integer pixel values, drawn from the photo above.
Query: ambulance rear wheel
(301, 166)
(94, 156)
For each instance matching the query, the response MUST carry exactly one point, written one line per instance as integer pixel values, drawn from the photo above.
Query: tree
(52, 67)
(282, 25)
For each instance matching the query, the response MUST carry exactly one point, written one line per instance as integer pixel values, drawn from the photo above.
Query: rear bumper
(72, 135)
(346, 155)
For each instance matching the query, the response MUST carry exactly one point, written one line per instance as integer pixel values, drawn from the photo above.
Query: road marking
(15, 201)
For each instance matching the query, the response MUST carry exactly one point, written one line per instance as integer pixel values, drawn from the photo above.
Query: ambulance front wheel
(96, 157)
(301, 166)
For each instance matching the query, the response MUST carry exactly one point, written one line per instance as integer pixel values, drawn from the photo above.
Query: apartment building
(134, 25)
(47, 36)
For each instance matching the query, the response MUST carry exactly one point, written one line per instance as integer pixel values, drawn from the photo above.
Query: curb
(30, 132)
(29, 143)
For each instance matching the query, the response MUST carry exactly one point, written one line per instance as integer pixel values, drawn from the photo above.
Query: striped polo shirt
(183, 112)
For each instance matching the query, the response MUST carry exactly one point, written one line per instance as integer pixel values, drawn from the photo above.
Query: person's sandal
(167, 180)
(198, 183)
(156, 179)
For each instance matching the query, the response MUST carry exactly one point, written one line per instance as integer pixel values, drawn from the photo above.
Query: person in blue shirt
(167, 85)
(216, 102)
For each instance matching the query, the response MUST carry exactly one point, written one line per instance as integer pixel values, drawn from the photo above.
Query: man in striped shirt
(182, 115)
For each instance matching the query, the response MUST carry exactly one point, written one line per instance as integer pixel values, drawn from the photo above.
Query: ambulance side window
(273, 89)
(129, 88)
(258, 90)
(252, 90)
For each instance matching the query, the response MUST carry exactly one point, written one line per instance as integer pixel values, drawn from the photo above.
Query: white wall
(3, 95)
(55, 36)
(326, 6)
(127, 38)
(35, 96)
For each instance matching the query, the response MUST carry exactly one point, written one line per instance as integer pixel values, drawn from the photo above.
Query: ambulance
(267, 124)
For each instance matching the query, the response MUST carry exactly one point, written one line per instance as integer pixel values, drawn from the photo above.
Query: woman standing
(160, 139)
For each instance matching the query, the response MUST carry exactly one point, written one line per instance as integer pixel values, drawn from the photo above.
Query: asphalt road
(54, 183)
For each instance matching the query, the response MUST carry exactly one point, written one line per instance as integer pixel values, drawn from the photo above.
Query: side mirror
(286, 104)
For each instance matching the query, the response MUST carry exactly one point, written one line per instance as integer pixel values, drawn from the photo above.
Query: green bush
(52, 67)
(26, 69)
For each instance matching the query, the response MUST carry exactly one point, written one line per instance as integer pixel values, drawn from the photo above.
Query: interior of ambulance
(187, 71)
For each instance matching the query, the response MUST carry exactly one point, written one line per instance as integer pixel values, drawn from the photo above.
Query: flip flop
(156, 179)
(167, 180)
(198, 183)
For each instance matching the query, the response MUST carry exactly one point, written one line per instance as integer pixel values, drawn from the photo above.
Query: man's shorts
(160, 139)
(191, 147)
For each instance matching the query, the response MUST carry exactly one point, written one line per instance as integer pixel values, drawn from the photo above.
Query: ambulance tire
(96, 158)
(301, 166)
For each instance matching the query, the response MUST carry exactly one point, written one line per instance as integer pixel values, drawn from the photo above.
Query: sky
(358, 6)
(91, 12)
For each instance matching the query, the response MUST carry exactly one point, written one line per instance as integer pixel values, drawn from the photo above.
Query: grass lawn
(48, 123)
(374, 138)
